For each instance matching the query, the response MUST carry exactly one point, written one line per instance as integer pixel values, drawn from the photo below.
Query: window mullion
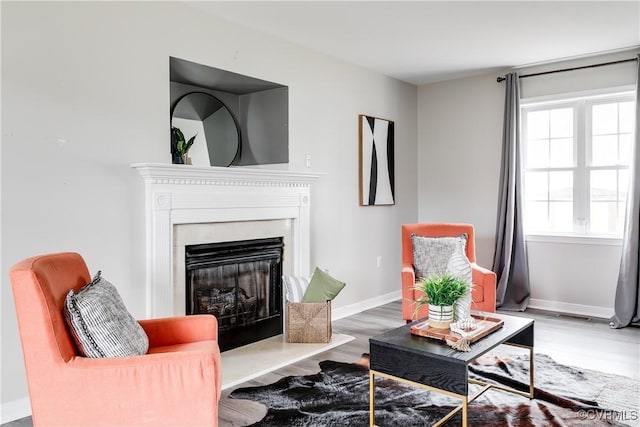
(580, 193)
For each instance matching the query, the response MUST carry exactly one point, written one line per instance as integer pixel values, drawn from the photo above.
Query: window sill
(574, 239)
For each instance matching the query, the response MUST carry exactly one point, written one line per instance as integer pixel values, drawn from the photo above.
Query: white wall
(459, 151)
(85, 92)
(570, 277)
(459, 146)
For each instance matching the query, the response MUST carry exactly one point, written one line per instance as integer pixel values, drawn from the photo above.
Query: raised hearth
(193, 205)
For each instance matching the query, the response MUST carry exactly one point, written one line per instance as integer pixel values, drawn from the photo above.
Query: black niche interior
(259, 107)
(240, 283)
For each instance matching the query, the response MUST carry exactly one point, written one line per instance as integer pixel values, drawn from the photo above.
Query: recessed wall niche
(260, 108)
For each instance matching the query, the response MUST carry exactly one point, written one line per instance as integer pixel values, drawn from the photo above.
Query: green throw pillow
(322, 287)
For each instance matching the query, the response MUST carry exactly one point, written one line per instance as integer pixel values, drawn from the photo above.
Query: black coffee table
(431, 364)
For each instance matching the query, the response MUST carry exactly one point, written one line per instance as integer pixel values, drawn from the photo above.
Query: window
(576, 164)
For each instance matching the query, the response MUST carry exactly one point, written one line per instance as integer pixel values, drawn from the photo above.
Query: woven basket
(308, 322)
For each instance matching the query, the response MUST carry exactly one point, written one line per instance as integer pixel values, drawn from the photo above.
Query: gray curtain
(510, 256)
(627, 293)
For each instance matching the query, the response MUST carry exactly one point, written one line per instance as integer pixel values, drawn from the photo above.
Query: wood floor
(587, 343)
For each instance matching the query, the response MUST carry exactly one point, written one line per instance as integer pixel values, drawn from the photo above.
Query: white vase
(462, 308)
(440, 316)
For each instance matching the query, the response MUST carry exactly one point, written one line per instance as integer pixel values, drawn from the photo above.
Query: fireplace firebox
(240, 283)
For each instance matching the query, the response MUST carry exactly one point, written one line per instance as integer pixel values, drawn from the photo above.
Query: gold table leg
(372, 397)
(465, 411)
(531, 360)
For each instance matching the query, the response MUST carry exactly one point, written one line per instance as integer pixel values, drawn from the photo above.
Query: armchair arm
(484, 291)
(408, 281)
(409, 295)
(180, 329)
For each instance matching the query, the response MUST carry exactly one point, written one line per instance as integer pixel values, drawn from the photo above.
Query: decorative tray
(484, 326)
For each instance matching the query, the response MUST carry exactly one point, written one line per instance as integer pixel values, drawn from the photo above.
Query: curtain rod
(502, 78)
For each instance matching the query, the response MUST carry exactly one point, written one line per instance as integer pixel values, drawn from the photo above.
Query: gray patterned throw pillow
(431, 255)
(100, 323)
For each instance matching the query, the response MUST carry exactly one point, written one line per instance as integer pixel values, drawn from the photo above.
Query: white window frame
(580, 166)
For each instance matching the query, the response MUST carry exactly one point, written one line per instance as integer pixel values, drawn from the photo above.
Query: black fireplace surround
(240, 283)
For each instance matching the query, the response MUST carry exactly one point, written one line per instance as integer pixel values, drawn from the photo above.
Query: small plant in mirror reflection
(182, 145)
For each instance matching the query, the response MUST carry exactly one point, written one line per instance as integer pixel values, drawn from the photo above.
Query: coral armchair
(483, 293)
(177, 382)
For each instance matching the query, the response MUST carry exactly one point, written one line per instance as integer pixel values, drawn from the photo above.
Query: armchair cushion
(100, 324)
(431, 255)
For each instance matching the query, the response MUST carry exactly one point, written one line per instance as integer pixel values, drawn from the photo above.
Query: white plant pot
(440, 316)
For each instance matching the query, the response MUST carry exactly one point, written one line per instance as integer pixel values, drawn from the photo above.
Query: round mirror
(217, 140)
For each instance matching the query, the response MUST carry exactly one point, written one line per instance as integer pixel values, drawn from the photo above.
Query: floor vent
(575, 316)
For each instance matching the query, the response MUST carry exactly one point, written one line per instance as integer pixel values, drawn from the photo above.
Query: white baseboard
(348, 310)
(565, 307)
(14, 410)
(21, 408)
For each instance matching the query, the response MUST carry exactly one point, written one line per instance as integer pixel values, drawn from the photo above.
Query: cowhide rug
(339, 396)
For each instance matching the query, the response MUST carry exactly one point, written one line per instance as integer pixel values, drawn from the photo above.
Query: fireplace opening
(240, 283)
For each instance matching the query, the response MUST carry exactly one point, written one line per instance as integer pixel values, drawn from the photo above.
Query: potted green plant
(183, 146)
(441, 293)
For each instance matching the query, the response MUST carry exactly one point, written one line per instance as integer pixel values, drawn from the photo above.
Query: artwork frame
(376, 161)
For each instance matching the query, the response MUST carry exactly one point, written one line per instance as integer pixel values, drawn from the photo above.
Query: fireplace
(188, 205)
(239, 282)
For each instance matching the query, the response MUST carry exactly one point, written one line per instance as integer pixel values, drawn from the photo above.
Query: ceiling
(428, 41)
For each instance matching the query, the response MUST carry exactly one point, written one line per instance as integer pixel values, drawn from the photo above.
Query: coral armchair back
(177, 382)
(483, 293)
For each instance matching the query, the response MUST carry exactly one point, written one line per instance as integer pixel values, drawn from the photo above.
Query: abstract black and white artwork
(376, 161)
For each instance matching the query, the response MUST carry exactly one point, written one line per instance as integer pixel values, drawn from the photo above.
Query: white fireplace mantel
(181, 194)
